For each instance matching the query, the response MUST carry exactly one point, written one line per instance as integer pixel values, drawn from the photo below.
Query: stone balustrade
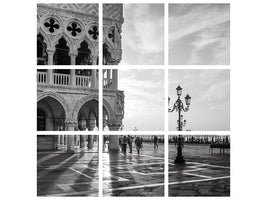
(65, 80)
(41, 77)
(83, 81)
(107, 83)
(61, 79)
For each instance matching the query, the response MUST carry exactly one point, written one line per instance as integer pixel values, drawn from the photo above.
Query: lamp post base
(179, 160)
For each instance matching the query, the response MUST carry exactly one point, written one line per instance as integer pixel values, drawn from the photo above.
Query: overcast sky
(144, 103)
(143, 34)
(199, 34)
(210, 103)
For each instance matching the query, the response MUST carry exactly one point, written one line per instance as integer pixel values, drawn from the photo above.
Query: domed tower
(67, 34)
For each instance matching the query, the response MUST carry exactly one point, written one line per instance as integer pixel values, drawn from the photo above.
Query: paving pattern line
(135, 187)
(78, 172)
(199, 180)
(197, 175)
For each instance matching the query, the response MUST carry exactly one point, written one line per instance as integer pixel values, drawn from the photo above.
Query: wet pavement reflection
(133, 174)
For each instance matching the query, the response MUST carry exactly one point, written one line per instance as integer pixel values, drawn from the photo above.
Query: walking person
(130, 143)
(138, 144)
(156, 142)
(124, 144)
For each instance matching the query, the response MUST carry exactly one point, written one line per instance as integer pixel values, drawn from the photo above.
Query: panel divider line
(166, 127)
(100, 90)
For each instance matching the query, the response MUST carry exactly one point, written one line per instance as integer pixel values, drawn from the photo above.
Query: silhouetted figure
(130, 143)
(156, 142)
(138, 144)
(124, 144)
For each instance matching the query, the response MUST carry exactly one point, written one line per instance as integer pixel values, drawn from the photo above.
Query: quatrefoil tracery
(52, 25)
(94, 32)
(74, 29)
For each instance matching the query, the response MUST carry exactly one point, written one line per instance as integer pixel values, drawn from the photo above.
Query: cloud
(144, 93)
(215, 41)
(199, 34)
(142, 34)
(196, 18)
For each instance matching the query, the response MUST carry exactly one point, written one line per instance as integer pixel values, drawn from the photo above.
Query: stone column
(94, 84)
(90, 144)
(94, 59)
(72, 77)
(115, 79)
(114, 143)
(70, 125)
(50, 54)
(70, 144)
(50, 76)
(61, 139)
(73, 58)
(82, 141)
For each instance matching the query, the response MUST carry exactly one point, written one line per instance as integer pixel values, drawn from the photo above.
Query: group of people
(138, 141)
(124, 141)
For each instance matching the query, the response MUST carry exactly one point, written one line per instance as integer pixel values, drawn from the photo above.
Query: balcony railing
(107, 83)
(41, 77)
(61, 79)
(83, 81)
(65, 80)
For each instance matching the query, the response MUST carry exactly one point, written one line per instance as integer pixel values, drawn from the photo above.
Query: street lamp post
(179, 107)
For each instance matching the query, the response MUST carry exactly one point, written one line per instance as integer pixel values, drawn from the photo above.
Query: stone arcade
(69, 143)
(67, 99)
(67, 34)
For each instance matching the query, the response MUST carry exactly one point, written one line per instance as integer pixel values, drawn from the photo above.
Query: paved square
(203, 174)
(64, 174)
(134, 175)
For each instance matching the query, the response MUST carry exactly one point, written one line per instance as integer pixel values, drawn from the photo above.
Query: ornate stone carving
(120, 103)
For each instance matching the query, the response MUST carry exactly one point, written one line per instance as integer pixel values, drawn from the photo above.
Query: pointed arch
(89, 43)
(46, 38)
(109, 110)
(68, 40)
(81, 102)
(57, 97)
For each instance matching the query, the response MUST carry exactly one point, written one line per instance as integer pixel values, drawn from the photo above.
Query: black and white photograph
(199, 165)
(67, 165)
(199, 34)
(138, 105)
(133, 34)
(67, 100)
(173, 98)
(133, 165)
(67, 34)
(199, 100)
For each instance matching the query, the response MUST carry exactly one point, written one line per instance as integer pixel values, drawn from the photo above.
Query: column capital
(50, 51)
(114, 125)
(70, 124)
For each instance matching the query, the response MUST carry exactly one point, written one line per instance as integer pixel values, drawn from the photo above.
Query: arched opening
(84, 53)
(42, 58)
(88, 116)
(50, 115)
(106, 54)
(41, 118)
(61, 55)
(105, 119)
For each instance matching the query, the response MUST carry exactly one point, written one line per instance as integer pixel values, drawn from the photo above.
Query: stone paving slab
(66, 174)
(134, 175)
(203, 174)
